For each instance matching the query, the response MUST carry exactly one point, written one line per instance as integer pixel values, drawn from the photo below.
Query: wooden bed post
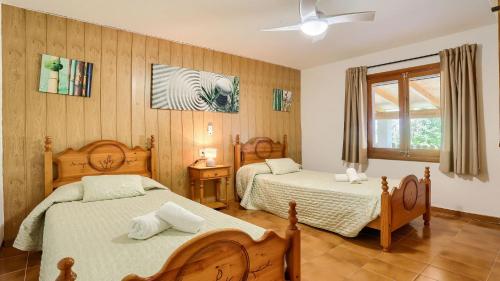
(285, 146)
(293, 237)
(154, 161)
(64, 266)
(385, 217)
(427, 181)
(48, 174)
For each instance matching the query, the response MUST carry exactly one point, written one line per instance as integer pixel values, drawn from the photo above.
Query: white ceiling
(233, 26)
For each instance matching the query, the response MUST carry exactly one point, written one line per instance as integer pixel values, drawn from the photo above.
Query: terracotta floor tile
(402, 262)
(444, 275)
(335, 264)
(424, 278)
(13, 276)
(6, 252)
(469, 255)
(365, 275)
(473, 272)
(390, 270)
(13, 263)
(322, 271)
(33, 272)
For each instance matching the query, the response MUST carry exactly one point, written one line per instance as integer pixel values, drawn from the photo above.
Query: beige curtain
(459, 111)
(355, 117)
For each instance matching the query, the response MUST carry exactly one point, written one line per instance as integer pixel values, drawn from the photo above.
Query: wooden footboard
(229, 254)
(411, 199)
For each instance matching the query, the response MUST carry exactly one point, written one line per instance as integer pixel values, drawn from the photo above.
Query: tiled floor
(452, 249)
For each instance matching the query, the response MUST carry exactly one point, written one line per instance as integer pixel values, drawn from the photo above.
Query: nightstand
(203, 174)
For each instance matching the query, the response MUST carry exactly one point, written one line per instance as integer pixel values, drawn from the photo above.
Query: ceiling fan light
(314, 27)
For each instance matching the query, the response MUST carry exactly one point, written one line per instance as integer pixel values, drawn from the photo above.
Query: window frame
(404, 152)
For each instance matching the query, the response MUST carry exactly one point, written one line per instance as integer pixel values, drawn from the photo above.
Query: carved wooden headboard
(258, 150)
(104, 157)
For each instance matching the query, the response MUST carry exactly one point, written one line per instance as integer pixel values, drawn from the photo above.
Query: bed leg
(427, 181)
(64, 266)
(293, 238)
(385, 217)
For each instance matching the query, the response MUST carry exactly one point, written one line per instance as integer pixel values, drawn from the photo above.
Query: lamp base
(211, 162)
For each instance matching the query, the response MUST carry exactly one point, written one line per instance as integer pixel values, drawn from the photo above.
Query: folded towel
(353, 175)
(341, 178)
(180, 218)
(146, 226)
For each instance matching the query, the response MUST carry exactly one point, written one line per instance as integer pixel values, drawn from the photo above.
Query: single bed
(339, 207)
(91, 238)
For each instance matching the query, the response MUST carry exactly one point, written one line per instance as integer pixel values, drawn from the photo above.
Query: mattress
(322, 202)
(95, 235)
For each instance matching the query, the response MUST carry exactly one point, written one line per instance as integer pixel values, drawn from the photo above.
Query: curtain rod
(398, 61)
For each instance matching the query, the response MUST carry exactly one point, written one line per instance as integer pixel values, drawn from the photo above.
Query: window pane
(385, 100)
(425, 119)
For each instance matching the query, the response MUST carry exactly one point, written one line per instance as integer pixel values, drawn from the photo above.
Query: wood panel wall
(120, 104)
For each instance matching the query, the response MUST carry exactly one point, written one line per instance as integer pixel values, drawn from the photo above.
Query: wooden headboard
(104, 157)
(258, 150)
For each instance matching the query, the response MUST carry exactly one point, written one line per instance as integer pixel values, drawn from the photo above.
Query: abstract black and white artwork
(187, 89)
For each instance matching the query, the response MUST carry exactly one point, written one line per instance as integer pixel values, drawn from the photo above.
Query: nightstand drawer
(213, 173)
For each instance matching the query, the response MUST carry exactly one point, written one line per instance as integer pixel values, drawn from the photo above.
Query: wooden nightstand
(203, 174)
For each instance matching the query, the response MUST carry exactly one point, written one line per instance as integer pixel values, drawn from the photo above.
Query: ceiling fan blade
(307, 9)
(352, 17)
(284, 28)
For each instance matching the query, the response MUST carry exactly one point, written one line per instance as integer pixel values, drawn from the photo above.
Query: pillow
(282, 166)
(96, 188)
(149, 183)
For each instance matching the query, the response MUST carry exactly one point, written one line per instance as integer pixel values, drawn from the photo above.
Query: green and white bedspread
(95, 234)
(322, 202)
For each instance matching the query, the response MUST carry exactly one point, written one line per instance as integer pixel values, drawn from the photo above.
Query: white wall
(323, 111)
(1, 139)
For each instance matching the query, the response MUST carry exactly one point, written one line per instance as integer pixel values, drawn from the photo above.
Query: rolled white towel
(341, 178)
(363, 176)
(180, 218)
(146, 226)
(353, 175)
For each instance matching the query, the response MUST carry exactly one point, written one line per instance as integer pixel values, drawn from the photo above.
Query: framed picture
(282, 100)
(65, 76)
(187, 89)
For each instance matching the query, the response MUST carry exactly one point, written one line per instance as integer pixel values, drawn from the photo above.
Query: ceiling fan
(315, 23)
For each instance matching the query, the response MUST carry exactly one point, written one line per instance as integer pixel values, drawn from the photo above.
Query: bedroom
(196, 105)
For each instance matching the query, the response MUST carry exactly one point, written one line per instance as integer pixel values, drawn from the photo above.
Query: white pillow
(149, 183)
(282, 166)
(96, 188)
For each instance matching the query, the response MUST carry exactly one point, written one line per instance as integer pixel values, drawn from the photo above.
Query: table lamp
(210, 154)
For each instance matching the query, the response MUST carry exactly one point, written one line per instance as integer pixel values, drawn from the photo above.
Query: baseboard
(460, 214)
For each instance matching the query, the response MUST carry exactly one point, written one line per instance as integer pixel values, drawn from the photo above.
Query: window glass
(385, 111)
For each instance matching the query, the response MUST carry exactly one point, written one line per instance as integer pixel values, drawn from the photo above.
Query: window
(404, 120)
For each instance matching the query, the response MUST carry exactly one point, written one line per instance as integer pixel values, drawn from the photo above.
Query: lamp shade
(209, 153)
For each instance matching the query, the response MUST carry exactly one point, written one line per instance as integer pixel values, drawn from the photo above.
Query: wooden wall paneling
(292, 147)
(14, 106)
(244, 107)
(281, 115)
(151, 115)
(187, 126)
(199, 127)
(92, 105)
(286, 115)
(75, 131)
(176, 129)
(217, 116)
(138, 84)
(274, 114)
(252, 99)
(164, 133)
(227, 131)
(124, 88)
(108, 83)
(235, 118)
(36, 106)
(259, 99)
(56, 104)
(298, 119)
(208, 65)
(267, 98)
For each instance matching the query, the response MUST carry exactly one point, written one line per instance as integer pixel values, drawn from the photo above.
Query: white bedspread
(322, 202)
(95, 234)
